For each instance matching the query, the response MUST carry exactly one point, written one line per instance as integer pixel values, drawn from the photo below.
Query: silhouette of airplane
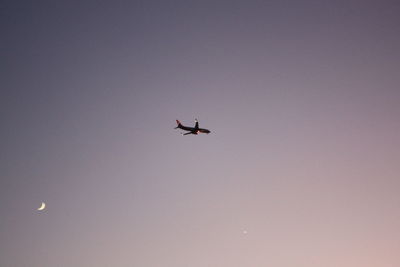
(191, 130)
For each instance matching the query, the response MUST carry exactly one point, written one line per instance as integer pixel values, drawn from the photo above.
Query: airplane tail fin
(179, 124)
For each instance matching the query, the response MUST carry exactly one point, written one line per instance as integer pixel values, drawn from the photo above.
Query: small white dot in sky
(245, 232)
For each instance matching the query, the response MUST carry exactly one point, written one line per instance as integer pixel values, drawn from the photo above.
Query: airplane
(191, 130)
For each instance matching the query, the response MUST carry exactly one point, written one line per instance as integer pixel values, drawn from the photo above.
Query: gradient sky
(301, 168)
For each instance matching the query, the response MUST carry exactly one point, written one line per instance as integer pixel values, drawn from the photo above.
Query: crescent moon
(42, 206)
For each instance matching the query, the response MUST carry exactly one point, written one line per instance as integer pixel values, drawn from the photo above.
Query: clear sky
(301, 167)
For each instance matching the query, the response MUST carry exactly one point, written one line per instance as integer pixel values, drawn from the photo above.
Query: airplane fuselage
(194, 130)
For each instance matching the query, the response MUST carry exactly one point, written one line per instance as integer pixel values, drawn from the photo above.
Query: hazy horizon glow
(301, 167)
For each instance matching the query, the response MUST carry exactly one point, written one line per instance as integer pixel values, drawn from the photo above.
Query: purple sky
(301, 167)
